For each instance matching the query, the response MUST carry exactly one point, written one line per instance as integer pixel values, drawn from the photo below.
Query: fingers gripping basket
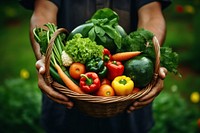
(99, 106)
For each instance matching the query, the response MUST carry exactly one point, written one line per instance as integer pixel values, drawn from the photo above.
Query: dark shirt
(75, 12)
(57, 118)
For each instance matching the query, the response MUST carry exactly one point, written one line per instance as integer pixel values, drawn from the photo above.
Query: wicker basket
(99, 106)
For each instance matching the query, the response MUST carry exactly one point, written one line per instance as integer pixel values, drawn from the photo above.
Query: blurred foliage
(173, 114)
(20, 97)
(20, 106)
(15, 49)
(174, 110)
(11, 12)
(183, 18)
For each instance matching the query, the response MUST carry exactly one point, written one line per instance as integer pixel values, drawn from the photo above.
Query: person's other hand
(49, 91)
(145, 100)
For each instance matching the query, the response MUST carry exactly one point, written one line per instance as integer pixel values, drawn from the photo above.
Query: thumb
(40, 66)
(162, 72)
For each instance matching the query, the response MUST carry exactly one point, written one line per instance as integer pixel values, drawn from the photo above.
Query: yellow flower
(195, 97)
(24, 74)
(189, 9)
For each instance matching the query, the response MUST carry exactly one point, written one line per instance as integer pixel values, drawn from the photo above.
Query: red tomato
(135, 90)
(105, 90)
(105, 81)
(76, 69)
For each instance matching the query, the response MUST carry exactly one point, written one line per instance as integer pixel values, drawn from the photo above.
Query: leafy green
(141, 40)
(83, 49)
(169, 59)
(105, 13)
(104, 22)
(43, 37)
(105, 27)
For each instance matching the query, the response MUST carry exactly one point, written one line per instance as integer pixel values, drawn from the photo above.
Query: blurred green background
(176, 109)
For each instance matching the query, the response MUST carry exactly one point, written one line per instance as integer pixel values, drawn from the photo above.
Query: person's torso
(75, 12)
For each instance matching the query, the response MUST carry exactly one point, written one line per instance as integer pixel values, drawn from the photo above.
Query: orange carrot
(125, 55)
(68, 82)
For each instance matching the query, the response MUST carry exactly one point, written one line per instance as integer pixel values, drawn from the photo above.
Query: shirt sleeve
(164, 3)
(29, 4)
(57, 2)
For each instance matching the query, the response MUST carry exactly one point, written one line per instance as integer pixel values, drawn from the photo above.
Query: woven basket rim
(98, 99)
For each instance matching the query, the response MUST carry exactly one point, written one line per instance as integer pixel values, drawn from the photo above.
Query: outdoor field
(176, 109)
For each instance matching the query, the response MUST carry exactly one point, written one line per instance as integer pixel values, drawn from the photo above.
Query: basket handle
(157, 55)
(48, 78)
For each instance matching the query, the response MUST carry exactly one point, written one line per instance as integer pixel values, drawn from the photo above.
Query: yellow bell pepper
(122, 85)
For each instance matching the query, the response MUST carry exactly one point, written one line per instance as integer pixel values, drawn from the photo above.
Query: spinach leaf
(112, 33)
(105, 13)
(99, 31)
(92, 34)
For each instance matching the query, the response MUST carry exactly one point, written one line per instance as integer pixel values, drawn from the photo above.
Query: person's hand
(145, 100)
(49, 91)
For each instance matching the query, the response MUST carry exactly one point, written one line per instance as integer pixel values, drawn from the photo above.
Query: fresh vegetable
(103, 72)
(135, 90)
(66, 59)
(123, 56)
(105, 13)
(68, 82)
(43, 36)
(115, 68)
(106, 34)
(122, 85)
(97, 65)
(106, 55)
(140, 69)
(169, 60)
(89, 82)
(55, 75)
(105, 81)
(76, 69)
(66, 71)
(83, 49)
(105, 90)
(103, 28)
(83, 29)
(104, 21)
(141, 40)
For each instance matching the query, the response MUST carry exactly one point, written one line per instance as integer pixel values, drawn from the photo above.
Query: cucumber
(55, 75)
(84, 29)
(57, 78)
